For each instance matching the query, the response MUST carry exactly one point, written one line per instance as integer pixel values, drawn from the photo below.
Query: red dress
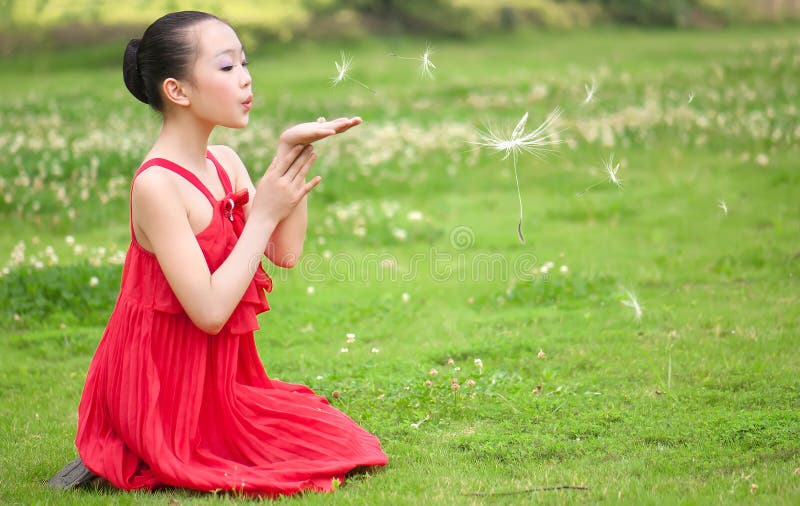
(166, 404)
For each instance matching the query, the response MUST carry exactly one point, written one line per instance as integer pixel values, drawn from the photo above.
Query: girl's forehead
(215, 38)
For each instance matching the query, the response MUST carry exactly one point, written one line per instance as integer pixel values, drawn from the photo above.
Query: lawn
(491, 370)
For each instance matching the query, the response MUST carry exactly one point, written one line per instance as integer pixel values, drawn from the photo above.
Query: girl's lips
(248, 104)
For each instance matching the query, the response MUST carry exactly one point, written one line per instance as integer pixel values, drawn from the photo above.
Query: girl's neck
(183, 140)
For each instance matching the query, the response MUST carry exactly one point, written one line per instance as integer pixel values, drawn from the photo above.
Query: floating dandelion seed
(722, 205)
(426, 66)
(590, 91)
(612, 170)
(535, 143)
(343, 70)
(634, 303)
(416, 425)
(691, 97)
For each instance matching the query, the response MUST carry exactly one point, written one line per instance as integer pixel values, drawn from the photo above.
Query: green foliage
(77, 294)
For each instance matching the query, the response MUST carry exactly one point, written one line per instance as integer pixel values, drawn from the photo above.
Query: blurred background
(25, 25)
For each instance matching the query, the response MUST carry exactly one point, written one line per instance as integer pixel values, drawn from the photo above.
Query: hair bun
(130, 71)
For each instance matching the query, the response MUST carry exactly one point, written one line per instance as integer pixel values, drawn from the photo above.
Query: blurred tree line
(58, 23)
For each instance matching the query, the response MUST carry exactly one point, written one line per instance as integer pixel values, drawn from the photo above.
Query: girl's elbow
(210, 322)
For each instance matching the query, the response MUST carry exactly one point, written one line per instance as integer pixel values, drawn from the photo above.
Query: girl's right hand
(284, 184)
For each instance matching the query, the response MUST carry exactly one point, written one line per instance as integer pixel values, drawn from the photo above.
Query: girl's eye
(227, 68)
(245, 63)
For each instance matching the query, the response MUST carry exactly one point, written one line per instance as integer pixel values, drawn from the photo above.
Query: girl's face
(221, 88)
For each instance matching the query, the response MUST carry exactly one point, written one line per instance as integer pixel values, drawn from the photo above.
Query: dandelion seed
(634, 303)
(590, 91)
(416, 425)
(536, 143)
(612, 170)
(426, 66)
(722, 205)
(343, 70)
(691, 97)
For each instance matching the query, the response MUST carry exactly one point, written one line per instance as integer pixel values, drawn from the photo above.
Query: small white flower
(433, 372)
(541, 353)
(344, 350)
(400, 234)
(375, 350)
(351, 338)
(564, 269)
(93, 281)
(415, 216)
(70, 240)
(479, 363)
(310, 290)
(319, 377)
(406, 297)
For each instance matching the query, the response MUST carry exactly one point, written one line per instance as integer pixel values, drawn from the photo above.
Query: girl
(176, 394)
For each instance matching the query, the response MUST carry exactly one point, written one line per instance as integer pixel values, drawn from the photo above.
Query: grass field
(413, 247)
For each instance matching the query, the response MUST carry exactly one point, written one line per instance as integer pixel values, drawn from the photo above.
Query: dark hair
(164, 51)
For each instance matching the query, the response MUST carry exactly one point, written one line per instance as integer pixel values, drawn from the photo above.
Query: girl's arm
(209, 299)
(285, 245)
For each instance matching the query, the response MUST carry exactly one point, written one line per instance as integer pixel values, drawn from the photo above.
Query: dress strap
(223, 176)
(186, 174)
(174, 167)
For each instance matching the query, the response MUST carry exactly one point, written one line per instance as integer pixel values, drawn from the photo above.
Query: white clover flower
(375, 350)
(479, 363)
(564, 269)
(415, 216)
(433, 372)
(405, 297)
(344, 350)
(93, 281)
(351, 337)
(69, 240)
(310, 290)
(400, 234)
(541, 353)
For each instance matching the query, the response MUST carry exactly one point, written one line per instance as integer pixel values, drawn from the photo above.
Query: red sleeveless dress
(166, 404)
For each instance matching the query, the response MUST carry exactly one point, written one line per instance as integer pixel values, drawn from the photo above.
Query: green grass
(698, 402)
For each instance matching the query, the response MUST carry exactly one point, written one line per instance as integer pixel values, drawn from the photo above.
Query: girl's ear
(175, 92)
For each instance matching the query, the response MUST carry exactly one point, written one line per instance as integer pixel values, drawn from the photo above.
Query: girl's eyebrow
(232, 51)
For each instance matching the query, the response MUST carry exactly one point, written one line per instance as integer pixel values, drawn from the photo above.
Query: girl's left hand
(306, 133)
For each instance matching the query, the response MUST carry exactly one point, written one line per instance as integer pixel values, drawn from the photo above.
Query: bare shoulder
(232, 164)
(153, 183)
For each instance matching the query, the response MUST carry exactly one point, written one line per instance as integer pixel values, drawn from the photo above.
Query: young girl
(176, 394)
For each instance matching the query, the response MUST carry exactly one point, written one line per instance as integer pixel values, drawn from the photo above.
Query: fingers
(300, 175)
(311, 184)
(282, 164)
(298, 162)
